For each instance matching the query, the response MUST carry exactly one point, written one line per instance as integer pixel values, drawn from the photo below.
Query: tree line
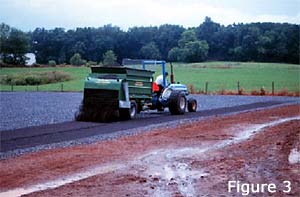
(262, 42)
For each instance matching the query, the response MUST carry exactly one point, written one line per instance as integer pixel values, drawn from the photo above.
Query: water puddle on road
(294, 156)
(169, 166)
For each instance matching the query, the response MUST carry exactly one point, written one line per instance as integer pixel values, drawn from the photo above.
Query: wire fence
(35, 88)
(208, 88)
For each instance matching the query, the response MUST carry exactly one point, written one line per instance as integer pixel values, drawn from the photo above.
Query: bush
(109, 58)
(36, 65)
(32, 80)
(90, 63)
(262, 91)
(83, 62)
(255, 92)
(283, 92)
(200, 91)
(2, 64)
(222, 91)
(241, 91)
(52, 63)
(76, 60)
(191, 89)
(35, 78)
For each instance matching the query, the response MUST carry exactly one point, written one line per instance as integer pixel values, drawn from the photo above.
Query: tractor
(121, 92)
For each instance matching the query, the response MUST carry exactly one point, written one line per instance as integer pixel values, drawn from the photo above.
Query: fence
(241, 91)
(13, 88)
(206, 90)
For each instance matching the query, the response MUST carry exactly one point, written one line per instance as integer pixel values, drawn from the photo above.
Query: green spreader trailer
(112, 90)
(119, 93)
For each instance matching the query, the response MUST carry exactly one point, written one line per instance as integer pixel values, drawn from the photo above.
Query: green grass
(219, 75)
(225, 75)
(76, 84)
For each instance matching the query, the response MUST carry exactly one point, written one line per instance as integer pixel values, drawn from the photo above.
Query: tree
(207, 29)
(167, 37)
(273, 42)
(4, 34)
(109, 58)
(79, 47)
(150, 51)
(50, 45)
(174, 54)
(13, 44)
(195, 51)
(238, 53)
(187, 36)
(76, 60)
(190, 49)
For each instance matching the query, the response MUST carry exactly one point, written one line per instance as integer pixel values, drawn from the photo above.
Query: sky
(69, 14)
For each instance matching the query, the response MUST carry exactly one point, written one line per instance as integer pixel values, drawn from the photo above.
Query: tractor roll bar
(127, 61)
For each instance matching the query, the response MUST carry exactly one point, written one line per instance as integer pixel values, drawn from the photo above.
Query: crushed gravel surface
(25, 109)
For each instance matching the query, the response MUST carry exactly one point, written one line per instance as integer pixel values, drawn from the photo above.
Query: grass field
(219, 75)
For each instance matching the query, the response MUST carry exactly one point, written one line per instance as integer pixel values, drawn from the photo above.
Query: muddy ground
(191, 160)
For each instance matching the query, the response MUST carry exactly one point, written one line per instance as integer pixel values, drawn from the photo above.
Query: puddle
(294, 156)
(168, 167)
(166, 164)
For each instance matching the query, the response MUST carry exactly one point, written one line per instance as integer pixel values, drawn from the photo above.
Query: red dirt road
(191, 160)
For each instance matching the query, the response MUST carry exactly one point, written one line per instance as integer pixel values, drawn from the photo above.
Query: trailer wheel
(177, 102)
(192, 105)
(127, 114)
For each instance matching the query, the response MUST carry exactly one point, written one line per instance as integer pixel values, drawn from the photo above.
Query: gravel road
(24, 109)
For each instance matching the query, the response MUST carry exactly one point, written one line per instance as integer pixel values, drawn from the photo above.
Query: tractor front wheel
(192, 105)
(177, 102)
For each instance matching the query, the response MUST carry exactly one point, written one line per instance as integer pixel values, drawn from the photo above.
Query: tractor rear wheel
(177, 102)
(127, 114)
(192, 105)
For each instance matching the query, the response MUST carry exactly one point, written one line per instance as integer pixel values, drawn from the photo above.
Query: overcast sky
(29, 14)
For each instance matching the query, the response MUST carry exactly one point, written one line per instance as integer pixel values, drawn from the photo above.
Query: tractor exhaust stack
(172, 74)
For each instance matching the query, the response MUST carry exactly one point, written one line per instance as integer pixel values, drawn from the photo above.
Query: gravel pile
(24, 109)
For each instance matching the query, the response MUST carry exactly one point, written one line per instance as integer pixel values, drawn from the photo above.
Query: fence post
(206, 87)
(238, 87)
(62, 87)
(273, 88)
(12, 87)
(37, 88)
